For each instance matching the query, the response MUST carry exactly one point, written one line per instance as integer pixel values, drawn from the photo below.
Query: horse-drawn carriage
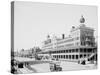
(55, 66)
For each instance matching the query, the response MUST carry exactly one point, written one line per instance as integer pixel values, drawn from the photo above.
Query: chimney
(63, 36)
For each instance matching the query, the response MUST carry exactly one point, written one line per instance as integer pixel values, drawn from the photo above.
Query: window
(85, 50)
(69, 51)
(76, 56)
(76, 50)
(73, 50)
(84, 55)
(66, 51)
(81, 56)
(66, 56)
(72, 56)
(59, 56)
(69, 56)
(63, 51)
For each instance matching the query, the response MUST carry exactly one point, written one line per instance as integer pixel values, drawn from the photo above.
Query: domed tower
(86, 33)
(82, 20)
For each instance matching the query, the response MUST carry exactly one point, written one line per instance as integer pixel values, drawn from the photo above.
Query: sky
(34, 21)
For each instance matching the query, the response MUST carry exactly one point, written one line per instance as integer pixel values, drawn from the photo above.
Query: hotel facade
(79, 44)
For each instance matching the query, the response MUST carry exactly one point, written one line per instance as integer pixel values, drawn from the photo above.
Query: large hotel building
(79, 44)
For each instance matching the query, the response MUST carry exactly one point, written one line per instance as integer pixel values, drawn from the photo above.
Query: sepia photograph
(53, 37)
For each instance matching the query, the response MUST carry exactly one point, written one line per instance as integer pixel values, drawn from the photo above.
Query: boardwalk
(44, 66)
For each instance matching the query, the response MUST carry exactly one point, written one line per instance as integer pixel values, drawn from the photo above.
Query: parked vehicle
(55, 67)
